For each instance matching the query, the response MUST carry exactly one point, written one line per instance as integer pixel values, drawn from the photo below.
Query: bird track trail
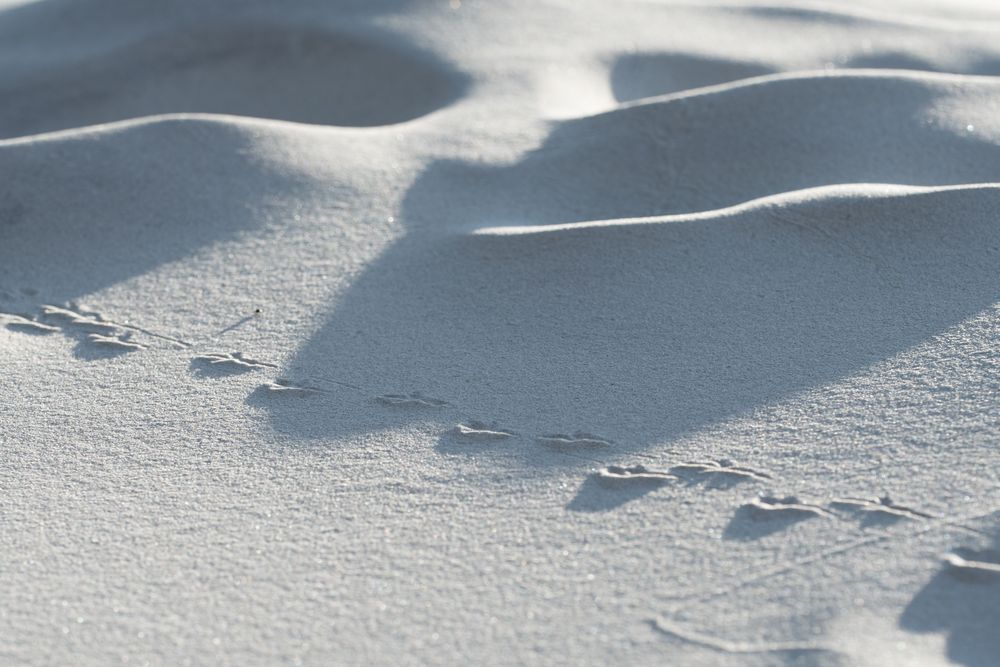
(92, 328)
(755, 575)
(74, 322)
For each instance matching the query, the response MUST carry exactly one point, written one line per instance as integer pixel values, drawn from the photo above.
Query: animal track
(91, 330)
(227, 363)
(88, 329)
(974, 566)
(283, 387)
(27, 325)
(416, 399)
(480, 432)
(90, 323)
(618, 476)
(717, 474)
(579, 441)
(769, 514)
(872, 511)
(767, 508)
(638, 479)
(613, 486)
(118, 343)
(876, 510)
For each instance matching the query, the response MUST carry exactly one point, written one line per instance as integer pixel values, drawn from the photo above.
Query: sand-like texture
(487, 332)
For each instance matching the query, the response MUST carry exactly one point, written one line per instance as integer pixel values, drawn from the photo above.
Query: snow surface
(489, 332)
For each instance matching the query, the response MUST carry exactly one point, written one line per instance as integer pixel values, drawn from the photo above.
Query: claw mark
(479, 431)
(115, 342)
(576, 442)
(615, 476)
(416, 399)
(663, 626)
